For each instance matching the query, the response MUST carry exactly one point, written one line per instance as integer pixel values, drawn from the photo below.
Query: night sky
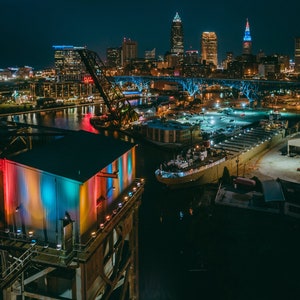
(29, 28)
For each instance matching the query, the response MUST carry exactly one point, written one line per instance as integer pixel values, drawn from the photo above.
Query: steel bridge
(253, 89)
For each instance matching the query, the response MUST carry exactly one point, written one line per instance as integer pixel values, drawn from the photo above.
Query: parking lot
(273, 164)
(226, 120)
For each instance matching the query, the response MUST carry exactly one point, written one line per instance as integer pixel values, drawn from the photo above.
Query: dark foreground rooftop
(78, 155)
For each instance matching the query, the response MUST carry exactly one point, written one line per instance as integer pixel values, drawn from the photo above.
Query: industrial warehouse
(69, 228)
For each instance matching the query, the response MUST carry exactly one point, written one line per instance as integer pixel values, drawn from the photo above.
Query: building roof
(167, 125)
(78, 156)
(272, 191)
(291, 191)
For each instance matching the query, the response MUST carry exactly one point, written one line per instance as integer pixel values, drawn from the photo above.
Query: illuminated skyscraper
(113, 56)
(297, 54)
(68, 64)
(209, 48)
(247, 41)
(177, 46)
(129, 51)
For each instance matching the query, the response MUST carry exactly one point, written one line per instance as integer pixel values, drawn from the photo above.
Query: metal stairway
(11, 272)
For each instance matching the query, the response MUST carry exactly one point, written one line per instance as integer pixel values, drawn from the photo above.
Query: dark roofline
(78, 156)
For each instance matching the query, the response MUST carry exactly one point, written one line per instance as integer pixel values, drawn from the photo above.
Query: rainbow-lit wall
(38, 201)
(92, 209)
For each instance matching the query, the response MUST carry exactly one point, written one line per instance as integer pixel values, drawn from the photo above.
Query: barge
(232, 153)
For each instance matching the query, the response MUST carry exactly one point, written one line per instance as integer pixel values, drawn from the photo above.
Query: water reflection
(75, 118)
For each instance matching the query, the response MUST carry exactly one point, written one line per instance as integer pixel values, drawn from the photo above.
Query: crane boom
(117, 104)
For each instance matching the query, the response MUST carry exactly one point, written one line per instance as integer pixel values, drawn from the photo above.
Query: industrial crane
(120, 112)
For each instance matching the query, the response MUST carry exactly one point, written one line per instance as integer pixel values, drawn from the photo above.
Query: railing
(126, 199)
(60, 256)
(17, 267)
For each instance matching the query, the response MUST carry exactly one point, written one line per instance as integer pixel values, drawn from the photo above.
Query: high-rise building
(177, 46)
(284, 61)
(129, 51)
(191, 57)
(260, 55)
(113, 56)
(297, 54)
(68, 64)
(209, 48)
(227, 60)
(247, 40)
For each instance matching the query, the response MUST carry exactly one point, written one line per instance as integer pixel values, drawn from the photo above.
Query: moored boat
(233, 154)
(189, 167)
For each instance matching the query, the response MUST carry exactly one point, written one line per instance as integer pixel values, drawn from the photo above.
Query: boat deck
(230, 146)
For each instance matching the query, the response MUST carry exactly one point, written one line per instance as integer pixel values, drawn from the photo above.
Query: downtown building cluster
(124, 60)
(204, 62)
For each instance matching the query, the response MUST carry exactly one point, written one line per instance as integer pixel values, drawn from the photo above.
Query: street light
(19, 211)
(237, 167)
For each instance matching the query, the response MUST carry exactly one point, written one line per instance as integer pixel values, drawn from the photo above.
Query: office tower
(260, 55)
(227, 60)
(68, 64)
(297, 54)
(284, 62)
(113, 56)
(191, 57)
(177, 46)
(229, 56)
(209, 48)
(129, 51)
(247, 41)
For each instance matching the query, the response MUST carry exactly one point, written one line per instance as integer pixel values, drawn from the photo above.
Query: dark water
(204, 253)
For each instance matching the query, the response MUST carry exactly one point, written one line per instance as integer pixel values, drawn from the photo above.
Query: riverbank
(7, 110)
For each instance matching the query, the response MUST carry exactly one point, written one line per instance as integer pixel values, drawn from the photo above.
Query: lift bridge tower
(119, 113)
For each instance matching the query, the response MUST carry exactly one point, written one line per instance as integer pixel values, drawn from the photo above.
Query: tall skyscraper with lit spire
(247, 40)
(177, 46)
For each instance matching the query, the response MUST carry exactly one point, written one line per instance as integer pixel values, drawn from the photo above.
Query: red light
(88, 79)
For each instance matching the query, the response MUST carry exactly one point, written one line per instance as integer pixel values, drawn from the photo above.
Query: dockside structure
(69, 220)
(239, 149)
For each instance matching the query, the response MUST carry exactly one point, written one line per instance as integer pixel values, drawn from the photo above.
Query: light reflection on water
(75, 118)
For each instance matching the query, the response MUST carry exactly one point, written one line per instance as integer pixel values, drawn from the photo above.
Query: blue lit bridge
(252, 89)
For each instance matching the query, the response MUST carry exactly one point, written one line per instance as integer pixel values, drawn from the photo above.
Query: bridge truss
(253, 90)
(120, 111)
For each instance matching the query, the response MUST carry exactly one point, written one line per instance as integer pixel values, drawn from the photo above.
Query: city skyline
(29, 28)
